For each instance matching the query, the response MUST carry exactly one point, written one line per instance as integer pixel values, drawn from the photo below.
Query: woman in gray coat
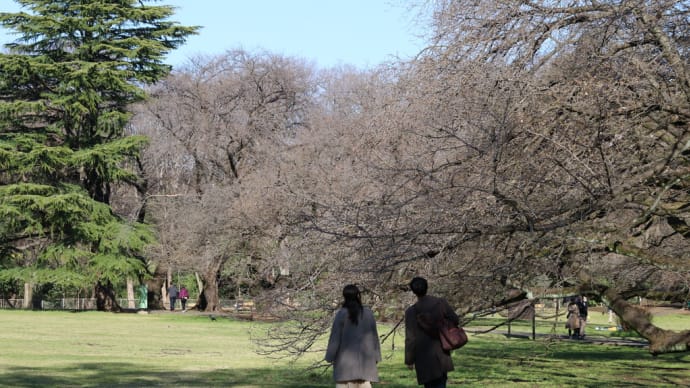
(353, 346)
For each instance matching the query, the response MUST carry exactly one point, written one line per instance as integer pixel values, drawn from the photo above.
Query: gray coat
(422, 350)
(353, 349)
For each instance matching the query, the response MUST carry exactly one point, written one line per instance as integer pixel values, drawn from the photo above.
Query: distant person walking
(353, 346)
(423, 351)
(184, 295)
(573, 319)
(143, 297)
(172, 295)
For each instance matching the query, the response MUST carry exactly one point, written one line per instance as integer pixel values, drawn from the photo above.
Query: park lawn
(92, 349)
(503, 362)
(672, 321)
(163, 349)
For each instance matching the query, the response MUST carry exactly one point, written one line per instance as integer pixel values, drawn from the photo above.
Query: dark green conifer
(65, 85)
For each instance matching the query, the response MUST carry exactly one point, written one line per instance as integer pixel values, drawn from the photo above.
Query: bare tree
(531, 145)
(608, 119)
(568, 126)
(216, 127)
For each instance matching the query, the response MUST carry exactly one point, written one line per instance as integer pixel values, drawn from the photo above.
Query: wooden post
(557, 327)
(558, 303)
(534, 325)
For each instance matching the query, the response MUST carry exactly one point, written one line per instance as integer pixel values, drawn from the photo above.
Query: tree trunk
(155, 297)
(209, 299)
(199, 291)
(28, 295)
(660, 340)
(130, 294)
(105, 297)
(166, 285)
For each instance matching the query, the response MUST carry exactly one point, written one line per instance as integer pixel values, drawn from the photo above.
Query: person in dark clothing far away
(172, 294)
(423, 351)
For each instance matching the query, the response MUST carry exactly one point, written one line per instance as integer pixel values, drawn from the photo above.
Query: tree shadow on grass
(479, 364)
(537, 364)
(131, 375)
(562, 350)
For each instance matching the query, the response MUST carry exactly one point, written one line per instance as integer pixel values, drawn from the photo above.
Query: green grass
(93, 349)
(525, 363)
(100, 349)
(672, 321)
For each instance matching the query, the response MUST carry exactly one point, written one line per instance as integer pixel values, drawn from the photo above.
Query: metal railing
(61, 304)
(90, 304)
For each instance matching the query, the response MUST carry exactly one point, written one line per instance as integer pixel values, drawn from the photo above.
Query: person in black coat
(172, 294)
(423, 351)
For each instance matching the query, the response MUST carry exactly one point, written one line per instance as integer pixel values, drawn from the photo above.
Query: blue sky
(362, 33)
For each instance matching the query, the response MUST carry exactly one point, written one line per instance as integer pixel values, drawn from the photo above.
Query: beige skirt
(353, 384)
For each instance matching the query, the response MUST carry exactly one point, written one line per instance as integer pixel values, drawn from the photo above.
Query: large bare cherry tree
(532, 145)
(216, 127)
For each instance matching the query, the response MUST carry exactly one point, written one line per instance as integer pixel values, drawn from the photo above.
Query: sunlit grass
(160, 350)
(96, 349)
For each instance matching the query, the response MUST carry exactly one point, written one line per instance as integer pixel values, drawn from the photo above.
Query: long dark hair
(352, 302)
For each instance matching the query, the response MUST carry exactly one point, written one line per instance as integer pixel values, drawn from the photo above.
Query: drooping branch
(660, 340)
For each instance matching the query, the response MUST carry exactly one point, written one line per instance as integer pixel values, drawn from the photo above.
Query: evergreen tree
(65, 85)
